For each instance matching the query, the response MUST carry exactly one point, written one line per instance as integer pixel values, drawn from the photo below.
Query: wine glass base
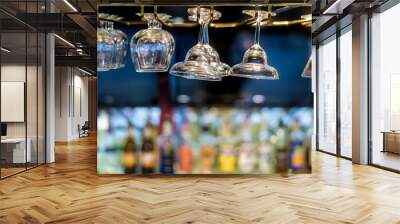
(195, 70)
(254, 71)
(103, 69)
(151, 70)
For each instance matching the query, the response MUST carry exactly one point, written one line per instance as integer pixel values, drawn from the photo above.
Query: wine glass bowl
(255, 54)
(198, 64)
(152, 48)
(255, 65)
(112, 44)
(120, 47)
(105, 48)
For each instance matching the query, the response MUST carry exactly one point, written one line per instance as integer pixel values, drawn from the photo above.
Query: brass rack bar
(222, 25)
(132, 4)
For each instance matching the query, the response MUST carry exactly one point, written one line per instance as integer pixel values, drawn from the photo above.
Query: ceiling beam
(86, 26)
(77, 61)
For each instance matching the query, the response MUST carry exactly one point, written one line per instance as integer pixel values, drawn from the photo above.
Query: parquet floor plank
(70, 191)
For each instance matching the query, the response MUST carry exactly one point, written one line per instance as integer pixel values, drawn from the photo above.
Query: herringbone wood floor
(70, 191)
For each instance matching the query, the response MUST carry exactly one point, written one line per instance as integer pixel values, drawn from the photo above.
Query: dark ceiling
(75, 23)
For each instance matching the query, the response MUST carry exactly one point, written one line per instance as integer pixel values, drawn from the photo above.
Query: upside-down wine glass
(105, 48)
(255, 62)
(202, 61)
(152, 48)
(120, 46)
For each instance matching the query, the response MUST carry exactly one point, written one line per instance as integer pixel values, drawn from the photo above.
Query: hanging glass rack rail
(304, 20)
(197, 3)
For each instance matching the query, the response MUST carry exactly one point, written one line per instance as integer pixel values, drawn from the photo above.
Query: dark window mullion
(37, 90)
(369, 96)
(317, 97)
(338, 97)
(26, 86)
(0, 95)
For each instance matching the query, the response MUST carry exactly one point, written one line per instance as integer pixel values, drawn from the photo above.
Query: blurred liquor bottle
(194, 124)
(307, 146)
(247, 152)
(193, 140)
(129, 153)
(227, 157)
(109, 139)
(280, 141)
(109, 161)
(207, 151)
(148, 158)
(297, 148)
(267, 158)
(185, 151)
(166, 146)
(118, 142)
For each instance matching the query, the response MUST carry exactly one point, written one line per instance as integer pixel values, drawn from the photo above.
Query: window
(327, 96)
(346, 93)
(22, 78)
(385, 89)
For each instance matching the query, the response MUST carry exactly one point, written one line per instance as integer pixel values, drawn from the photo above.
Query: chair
(84, 130)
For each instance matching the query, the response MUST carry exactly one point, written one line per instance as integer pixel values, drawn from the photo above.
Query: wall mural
(196, 90)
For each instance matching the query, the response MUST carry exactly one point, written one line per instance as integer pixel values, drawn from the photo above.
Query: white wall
(62, 82)
(80, 110)
(71, 102)
(17, 73)
(12, 73)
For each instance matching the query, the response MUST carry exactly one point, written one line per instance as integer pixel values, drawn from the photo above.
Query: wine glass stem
(258, 26)
(153, 23)
(101, 24)
(203, 35)
(108, 25)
